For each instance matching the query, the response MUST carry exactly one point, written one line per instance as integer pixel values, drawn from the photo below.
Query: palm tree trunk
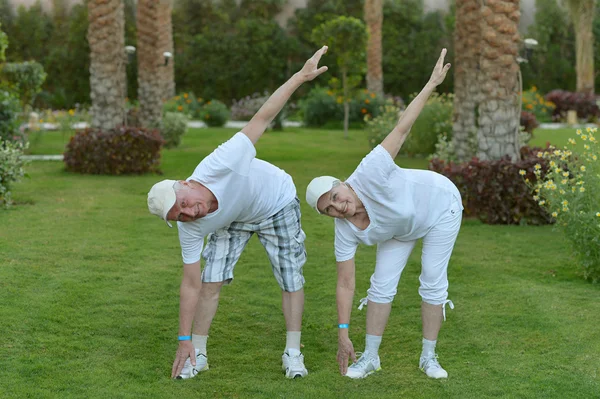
(106, 37)
(151, 83)
(165, 44)
(374, 21)
(467, 36)
(582, 13)
(499, 112)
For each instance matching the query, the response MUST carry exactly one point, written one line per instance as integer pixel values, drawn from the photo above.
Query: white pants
(392, 256)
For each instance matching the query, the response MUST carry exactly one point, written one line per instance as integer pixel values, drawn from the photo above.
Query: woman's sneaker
(365, 366)
(430, 365)
(190, 371)
(293, 365)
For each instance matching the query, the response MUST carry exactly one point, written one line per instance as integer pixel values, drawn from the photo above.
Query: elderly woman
(383, 204)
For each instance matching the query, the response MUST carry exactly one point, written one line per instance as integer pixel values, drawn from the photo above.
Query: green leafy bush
(123, 150)
(214, 113)
(3, 44)
(11, 168)
(26, 80)
(435, 120)
(172, 127)
(324, 107)
(9, 117)
(569, 191)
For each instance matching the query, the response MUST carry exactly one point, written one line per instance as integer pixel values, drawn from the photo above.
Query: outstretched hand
(439, 71)
(310, 69)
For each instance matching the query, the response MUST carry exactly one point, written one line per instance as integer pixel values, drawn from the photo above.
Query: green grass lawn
(89, 293)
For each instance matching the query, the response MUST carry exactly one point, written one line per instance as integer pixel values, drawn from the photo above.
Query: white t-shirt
(403, 204)
(247, 189)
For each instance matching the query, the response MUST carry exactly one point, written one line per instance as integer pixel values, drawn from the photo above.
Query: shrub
(11, 168)
(186, 103)
(491, 192)
(9, 117)
(584, 104)
(533, 102)
(245, 108)
(172, 127)
(570, 192)
(528, 121)
(123, 150)
(214, 113)
(26, 79)
(434, 120)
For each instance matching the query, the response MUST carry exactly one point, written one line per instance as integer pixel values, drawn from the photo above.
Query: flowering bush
(491, 192)
(214, 113)
(245, 108)
(570, 192)
(584, 104)
(325, 107)
(435, 120)
(11, 168)
(533, 102)
(185, 103)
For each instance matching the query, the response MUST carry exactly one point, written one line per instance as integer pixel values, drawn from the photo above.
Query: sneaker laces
(296, 361)
(362, 360)
(363, 302)
(449, 302)
(431, 362)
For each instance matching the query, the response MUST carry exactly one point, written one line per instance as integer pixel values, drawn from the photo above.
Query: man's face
(339, 202)
(190, 204)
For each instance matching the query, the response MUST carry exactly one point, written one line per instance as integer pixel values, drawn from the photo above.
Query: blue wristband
(184, 338)
(343, 326)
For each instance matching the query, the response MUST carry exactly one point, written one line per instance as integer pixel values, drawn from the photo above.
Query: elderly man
(230, 196)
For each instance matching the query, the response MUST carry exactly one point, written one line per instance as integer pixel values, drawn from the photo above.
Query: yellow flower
(565, 209)
(562, 191)
(188, 101)
(588, 129)
(536, 197)
(538, 166)
(185, 95)
(565, 203)
(329, 93)
(572, 141)
(540, 154)
(565, 174)
(557, 152)
(552, 164)
(339, 100)
(583, 137)
(180, 108)
(582, 168)
(542, 202)
(594, 157)
(522, 172)
(372, 95)
(598, 214)
(563, 181)
(587, 147)
(572, 189)
(581, 189)
(367, 101)
(558, 170)
(578, 132)
(554, 214)
(71, 112)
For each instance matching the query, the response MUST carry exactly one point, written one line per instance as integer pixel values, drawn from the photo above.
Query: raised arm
(265, 115)
(394, 140)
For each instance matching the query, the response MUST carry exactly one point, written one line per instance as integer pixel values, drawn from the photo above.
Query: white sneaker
(293, 366)
(430, 365)
(190, 371)
(365, 366)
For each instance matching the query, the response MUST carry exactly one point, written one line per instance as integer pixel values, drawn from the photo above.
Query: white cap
(317, 187)
(161, 199)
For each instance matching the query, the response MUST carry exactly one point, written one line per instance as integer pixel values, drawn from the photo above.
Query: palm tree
(374, 21)
(466, 63)
(165, 45)
(486, 77)
(582, 14)
(150, 61)
(106, 37)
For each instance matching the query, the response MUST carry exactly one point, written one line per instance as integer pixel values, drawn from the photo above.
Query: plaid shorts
(282, 237)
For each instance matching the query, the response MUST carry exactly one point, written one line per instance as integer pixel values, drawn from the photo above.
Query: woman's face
(339, 202)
